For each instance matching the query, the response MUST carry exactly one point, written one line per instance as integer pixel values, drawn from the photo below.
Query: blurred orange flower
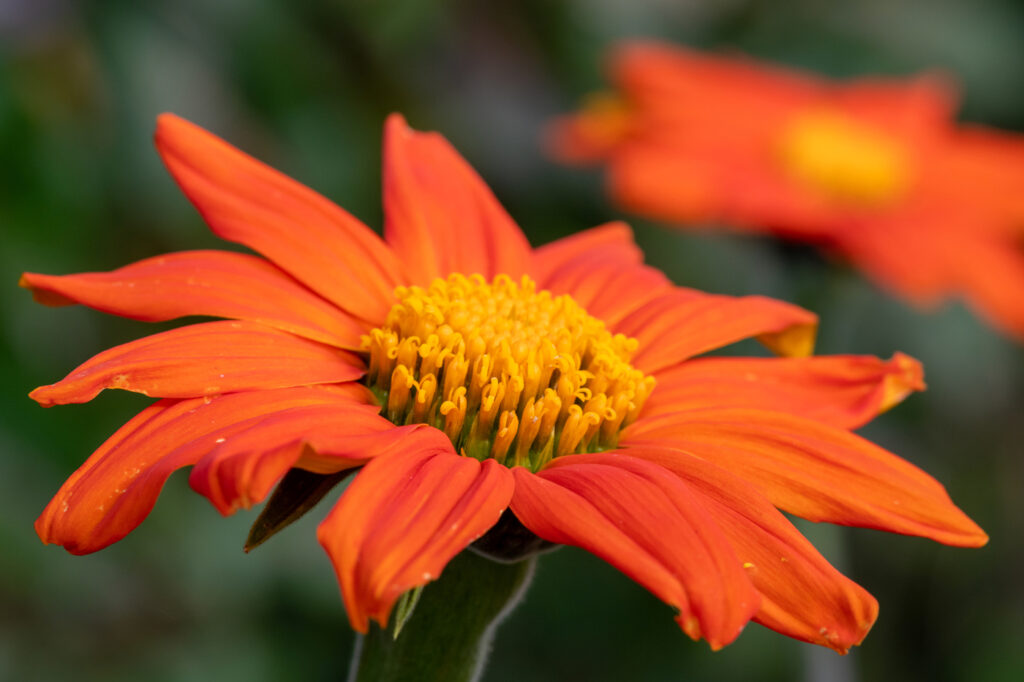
(468, 374)
(872, 169)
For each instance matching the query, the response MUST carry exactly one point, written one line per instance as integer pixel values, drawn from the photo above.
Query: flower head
(873, 169)
(471, 377)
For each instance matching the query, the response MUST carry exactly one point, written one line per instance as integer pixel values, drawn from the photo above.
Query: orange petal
(985, 167)
(591, 134)
(678, 78)
(605, 278)
(647, 523)
(992, 275)
(118, 485)
(803, 596)
(308, 236)
(214, 283)
(614, 239)
(900, 258)
(663, 183)
(682, 323)
(611, 292)
(440, 217)
(814, 470)
(403, 519)
(842, 390)
(324, 439)
(205, 359)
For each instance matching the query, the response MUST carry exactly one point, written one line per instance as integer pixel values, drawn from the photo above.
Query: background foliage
(305, 86)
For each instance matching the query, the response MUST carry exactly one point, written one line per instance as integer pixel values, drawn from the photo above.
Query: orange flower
(469, 375)
(873, 169)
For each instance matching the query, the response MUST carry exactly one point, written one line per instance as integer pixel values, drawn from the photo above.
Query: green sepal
(296, 494)
(404, 608)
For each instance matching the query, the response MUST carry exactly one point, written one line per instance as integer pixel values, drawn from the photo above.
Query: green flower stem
(448, 635)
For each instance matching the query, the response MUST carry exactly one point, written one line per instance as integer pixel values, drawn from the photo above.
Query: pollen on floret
(506, 371)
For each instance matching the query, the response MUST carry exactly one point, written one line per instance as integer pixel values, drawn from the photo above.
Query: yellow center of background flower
(504, 370)
(845, 159)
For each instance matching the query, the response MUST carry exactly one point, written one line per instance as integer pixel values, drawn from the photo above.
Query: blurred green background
(305, 86)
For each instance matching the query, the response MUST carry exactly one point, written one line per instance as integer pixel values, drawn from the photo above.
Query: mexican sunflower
(467, 377)
(874, 170)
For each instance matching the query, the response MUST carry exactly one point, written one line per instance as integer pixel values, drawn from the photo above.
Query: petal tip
(978, 538)
(796, 341)
(169, 124)
(958, 531)
(167, 120)
(40, 396)
(173, 132)
(36, 284)
(395, 128)
(592, 134)
(690, 625)
(912, 371)
(394, 119)
(906, 377)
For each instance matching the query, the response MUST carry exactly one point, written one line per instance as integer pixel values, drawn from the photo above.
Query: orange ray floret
(213, 283)
(843, 390)
(646, 522)
(875, 170)
(468, 377)
(403, 519)
(205, 359)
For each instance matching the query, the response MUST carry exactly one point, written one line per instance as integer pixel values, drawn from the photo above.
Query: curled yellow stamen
(506, 433)
(402, 382)
(424, 399)
(454, 412)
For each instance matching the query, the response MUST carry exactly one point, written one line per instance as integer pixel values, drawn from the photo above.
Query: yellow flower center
(845, 159)
(504, 370)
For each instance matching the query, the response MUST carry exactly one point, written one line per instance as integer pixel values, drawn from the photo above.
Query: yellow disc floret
(844, 159)
(504, 370)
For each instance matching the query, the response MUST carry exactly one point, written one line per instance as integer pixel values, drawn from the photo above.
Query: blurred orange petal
(874, 169)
